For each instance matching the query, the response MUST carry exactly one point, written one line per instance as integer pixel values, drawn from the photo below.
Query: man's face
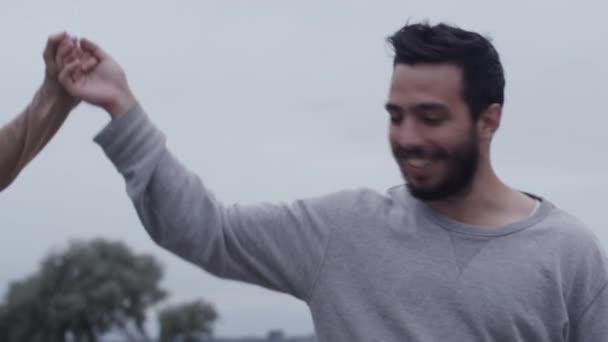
(432, 135)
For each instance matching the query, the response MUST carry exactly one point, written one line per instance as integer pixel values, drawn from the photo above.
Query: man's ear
(489, 121)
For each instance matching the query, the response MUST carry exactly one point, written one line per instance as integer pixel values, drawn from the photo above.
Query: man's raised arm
(278, 246)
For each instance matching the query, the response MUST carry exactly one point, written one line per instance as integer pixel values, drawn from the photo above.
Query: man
(28, 133)
(454, 255)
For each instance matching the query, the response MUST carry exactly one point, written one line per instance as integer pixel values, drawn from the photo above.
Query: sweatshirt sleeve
(592, 326)
(22, 138)
(277, 246)
(585, 264)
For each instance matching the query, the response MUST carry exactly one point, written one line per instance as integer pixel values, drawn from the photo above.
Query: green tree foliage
(187, 322)
(85, 291)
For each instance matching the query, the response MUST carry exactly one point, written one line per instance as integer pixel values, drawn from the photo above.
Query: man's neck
(488, 202)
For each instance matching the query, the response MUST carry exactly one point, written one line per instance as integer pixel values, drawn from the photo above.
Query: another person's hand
(61, 44)
(99, 81)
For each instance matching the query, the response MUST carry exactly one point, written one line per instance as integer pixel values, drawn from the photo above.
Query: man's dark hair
(483, 77)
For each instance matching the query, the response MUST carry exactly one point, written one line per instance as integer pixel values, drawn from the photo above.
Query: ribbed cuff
(130, 138)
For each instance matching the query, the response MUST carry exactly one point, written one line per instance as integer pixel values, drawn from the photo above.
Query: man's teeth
(415, 162)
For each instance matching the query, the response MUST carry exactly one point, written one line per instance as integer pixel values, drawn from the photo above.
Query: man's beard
(461, 165)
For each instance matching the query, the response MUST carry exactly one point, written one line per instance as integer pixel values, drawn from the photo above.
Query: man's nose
(407, 133)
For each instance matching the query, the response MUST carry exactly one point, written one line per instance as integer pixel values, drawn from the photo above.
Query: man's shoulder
(582, 258)
(571, 238)
(566, 226)
(358, 198)
(354, 205)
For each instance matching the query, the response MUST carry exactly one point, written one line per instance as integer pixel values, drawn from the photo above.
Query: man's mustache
(420, 152)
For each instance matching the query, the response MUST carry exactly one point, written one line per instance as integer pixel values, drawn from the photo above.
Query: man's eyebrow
(428, 106)
(392, 107)
(419, 107)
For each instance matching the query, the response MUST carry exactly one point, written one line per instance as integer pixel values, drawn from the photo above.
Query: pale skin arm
(22, 138)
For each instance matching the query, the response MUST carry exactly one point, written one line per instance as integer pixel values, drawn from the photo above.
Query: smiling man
(453, 255)
(445, 105)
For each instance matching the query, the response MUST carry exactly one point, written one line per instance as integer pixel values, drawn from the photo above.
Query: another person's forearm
(23, 137)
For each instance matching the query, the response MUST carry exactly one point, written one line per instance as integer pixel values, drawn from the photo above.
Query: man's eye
(432, 120)
(396, 119)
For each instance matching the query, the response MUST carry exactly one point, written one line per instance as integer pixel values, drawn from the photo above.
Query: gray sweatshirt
(374, 266)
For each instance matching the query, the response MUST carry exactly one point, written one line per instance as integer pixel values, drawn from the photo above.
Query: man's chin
(423, 193)
(436, 193)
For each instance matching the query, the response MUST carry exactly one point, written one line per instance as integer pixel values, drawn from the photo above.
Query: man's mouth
(418, 162)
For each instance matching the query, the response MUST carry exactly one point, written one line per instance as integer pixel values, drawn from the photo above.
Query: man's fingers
(66, 76)
(77, 74)
(93, 49)
(52, 44)
(88, 62)
(65, 52)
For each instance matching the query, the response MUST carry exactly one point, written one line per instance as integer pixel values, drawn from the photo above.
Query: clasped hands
(87, 73)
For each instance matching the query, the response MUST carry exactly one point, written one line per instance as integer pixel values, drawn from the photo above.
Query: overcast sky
(270, 100)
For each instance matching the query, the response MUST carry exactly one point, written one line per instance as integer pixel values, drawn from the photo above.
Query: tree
(187, 322)
(85, 291)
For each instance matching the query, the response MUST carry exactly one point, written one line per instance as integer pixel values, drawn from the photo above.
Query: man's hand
(103, 84)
